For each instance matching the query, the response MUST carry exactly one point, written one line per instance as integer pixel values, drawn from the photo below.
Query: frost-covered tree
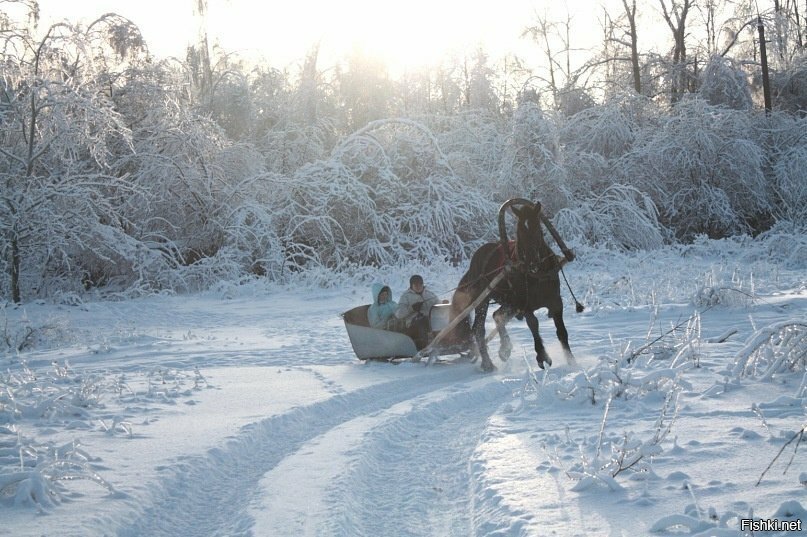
(704, 168)
(478, 82)
(609, 129)
(790, 86)
(386, 194)
(531, 166)
(595, 140)
(194, 181)
(473, 142)
(789, 162)
(364, 89)
(724, 83)
(57, 131)
(675, 15)
(300, 123)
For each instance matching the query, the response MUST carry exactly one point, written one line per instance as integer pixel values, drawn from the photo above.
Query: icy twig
(798, 435)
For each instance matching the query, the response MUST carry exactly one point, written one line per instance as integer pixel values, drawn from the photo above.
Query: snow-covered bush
(204, 215)
(785, 243)
(790, 86)
(724, 83)
(609, 129)
(19, 333)
(789, 160)
(387, 194)
(531, 166)
(289, 145)
(715, 289)
(779, 348)
(620, 217)
(45, 470)
(571, 101)
(473, 142)
(703, 168)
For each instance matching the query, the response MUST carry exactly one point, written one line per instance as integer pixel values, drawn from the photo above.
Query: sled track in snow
(415, 468)
(392, 461)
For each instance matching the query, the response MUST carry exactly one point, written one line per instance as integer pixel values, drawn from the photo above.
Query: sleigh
(527, 263)
(376, 344)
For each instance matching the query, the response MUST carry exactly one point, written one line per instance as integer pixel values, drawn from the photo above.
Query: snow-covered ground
(244, 412)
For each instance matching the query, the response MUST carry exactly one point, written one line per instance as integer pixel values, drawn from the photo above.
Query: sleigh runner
(509, 263)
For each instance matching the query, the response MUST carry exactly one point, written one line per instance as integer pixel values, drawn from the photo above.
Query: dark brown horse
(530, 282)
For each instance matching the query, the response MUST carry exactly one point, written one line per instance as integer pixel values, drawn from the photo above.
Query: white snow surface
(245, 412)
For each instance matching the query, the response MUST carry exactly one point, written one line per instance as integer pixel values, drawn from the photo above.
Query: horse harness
(533, 273)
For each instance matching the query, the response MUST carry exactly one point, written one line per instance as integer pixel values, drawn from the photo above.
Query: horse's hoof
(545, 362)
(488, 367)
(505, 351)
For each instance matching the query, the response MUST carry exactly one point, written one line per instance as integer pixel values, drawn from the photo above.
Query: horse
(530, 282)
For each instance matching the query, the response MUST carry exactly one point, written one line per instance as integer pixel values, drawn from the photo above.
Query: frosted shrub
(571, 101)
(790, 85)
(703, 169)
(724, 83)
(20, 333)
(609, 129)
(33, 474)
(790, 182)
(531, 166)
(621, 217)
(716, 289)
(779, 348)
(710, 296)
(387, 194)
(290, 145)
(474, 143)
(785, 243)
(606, 455)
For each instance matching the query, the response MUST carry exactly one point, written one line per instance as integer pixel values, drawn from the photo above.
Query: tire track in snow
(209, 495)
(415, 468)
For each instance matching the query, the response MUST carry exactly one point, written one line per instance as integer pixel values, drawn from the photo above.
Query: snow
(244, 411)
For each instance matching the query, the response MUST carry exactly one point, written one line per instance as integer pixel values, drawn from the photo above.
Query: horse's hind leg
(480, 314)
(563, 337)
(541, 356)
(502, 316)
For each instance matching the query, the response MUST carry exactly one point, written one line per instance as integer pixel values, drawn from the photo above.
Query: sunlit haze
(402, 34)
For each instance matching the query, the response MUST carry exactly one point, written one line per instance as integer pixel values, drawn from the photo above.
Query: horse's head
(533, 251)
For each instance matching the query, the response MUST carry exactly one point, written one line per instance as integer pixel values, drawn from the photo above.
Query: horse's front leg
(502, 316)
(541, 356)
(563, 337)
(480, 314)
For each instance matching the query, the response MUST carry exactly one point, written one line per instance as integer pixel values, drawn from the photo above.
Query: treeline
(126, 174)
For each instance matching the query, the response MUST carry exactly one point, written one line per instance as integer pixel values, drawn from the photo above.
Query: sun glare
(401, 34)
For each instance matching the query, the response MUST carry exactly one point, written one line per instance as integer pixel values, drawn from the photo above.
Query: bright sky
(409, 33)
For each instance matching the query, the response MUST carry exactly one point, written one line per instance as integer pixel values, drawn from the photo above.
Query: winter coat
(408, 298)
(379, 314)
